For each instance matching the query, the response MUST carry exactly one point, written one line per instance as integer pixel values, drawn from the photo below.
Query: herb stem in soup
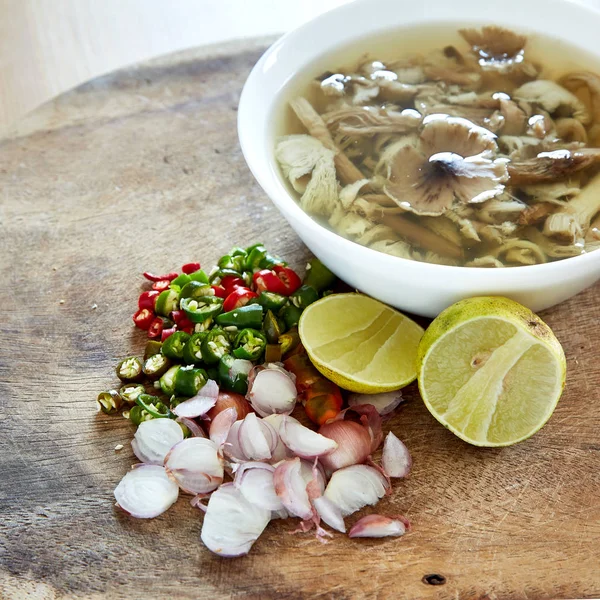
(470, 156)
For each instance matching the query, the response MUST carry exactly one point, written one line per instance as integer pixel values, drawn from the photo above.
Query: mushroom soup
(481, 152)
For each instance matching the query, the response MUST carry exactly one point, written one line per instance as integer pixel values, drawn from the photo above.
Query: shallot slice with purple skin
(257, 439)
(153, 439)
(196, 430)
(199, 404)
(371, 419)
(314, 489)
(290, 486)
(272, 391)
(304, 442)
(221, 425)
(330, 513)
(384, 403)
(255, 481)
(378, 526)
(232, 448)
(395, 460)
(356, 486)
(146, 491)
(281, 451)
(354, 444)
(195, 465)
(232, 523)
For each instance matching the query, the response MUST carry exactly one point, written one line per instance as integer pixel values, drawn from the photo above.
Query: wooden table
(142, 170)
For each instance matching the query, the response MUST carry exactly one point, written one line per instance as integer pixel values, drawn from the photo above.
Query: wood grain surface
(142, 170)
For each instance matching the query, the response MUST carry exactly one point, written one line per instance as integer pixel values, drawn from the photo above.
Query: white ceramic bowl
(420, 288)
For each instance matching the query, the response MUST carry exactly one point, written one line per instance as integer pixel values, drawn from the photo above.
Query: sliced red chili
(167, 332)
(189, 329)
(220, 291)
(152, 277)
(289, 278)
(230, 282)
(190, 267)
(155, 329)
(143, 318)
(266, 280)
(181, 320)
(161, 285)
(239, 297)
(148, 299)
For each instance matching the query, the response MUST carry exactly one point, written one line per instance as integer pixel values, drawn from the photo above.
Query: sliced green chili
(249, 344)
(180, 281)
(233, 374)
(271, 327)
(137, 415)
(156, 366)
(199, 310)
(271, 301)
(152, 347)
(130, 391)
(153, 406)
(166, 302)
(304, 296)
(268, 261)
(291, 315)
(192, 352)
(214, 346)
(232, 263)
(173, 346)
(109, 402)
(250, 315)
(196, 290)
(256, 254)
(130, 369)
(289, 341)
(199, 275)
(237, 251)
(167, 381)
(318, 276)
(189, 380)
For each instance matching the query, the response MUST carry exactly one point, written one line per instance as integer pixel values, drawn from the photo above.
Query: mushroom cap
(451, 162)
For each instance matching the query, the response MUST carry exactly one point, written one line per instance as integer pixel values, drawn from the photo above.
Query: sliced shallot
(221, 425)
(199, 404)
(281, 451)
(378, 526)
(232, 447)
(304, 442)
(232, 523)
(272, 391)
(384, 403)
(371, 419)
(196, 466)
(330, 513)
(257, 439)
(356, 486)
(290, 486)
(227, 400)
(255, 481)
(353, 440)
(196, 430)
(154, 438)
(395, 460)
(146, 492)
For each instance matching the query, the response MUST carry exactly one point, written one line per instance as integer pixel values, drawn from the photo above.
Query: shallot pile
(278, 468)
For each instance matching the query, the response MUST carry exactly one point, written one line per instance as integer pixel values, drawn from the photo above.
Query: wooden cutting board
(139, 170)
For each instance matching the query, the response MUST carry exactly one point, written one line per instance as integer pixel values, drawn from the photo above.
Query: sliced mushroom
(550, 248)
(485, 262)
(346, 169)
(563, 228)
(440, 67)
(301, 155)
(591, 81)
(529, 252)
(551, 166)
(571, 130)
(514, 117)
(368, 120)
(553, 98)
(496, 47)
(552, 192)
(535, 214)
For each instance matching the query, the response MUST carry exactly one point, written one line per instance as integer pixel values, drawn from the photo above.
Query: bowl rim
(284, 200)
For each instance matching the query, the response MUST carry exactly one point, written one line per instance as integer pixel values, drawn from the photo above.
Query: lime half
(490, 370)
(359, 343)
